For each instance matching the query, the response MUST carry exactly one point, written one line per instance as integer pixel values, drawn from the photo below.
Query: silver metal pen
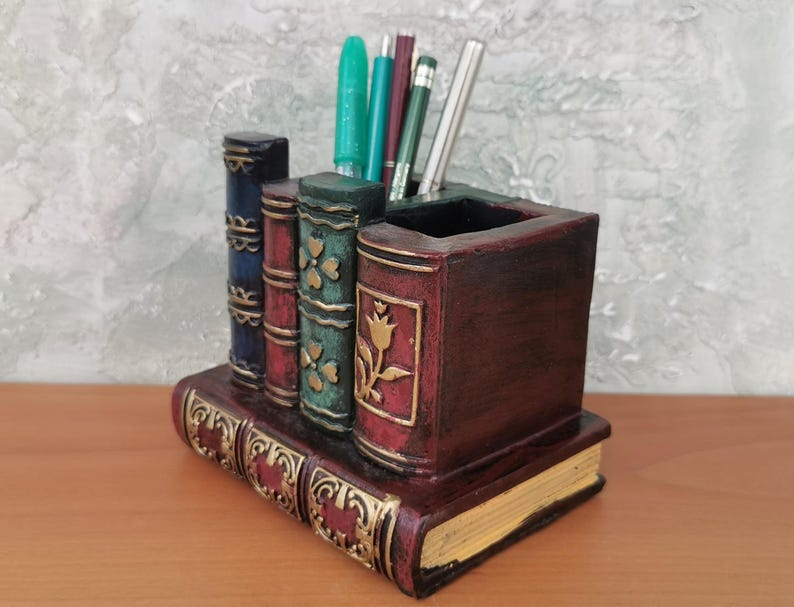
(451, 116)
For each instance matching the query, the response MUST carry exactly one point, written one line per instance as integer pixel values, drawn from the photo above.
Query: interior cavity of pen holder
(457, 217)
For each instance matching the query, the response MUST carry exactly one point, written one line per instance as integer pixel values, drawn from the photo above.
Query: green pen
(379, 109)
(412, 127)
(350, 147)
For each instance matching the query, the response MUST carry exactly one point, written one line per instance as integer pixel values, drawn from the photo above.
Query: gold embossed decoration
(276, 457)
(310, 263)
(369, 370)
(242, 317)
(242, 234)
(234, 163)
(211, 431)
(353, 520)
(388, 353)
(319, 373)
(244, 306)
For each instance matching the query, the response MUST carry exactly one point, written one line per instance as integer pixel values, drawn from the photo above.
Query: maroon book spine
(400, 88)
(280, 276)
(398, 349)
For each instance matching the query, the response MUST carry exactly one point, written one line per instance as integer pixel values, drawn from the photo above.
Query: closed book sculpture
(419, 533)
(438, 360)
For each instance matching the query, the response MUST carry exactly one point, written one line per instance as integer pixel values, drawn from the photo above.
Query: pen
(379, 110)
(400, 89)
(412, 128)
(451, 116)
(351, 109)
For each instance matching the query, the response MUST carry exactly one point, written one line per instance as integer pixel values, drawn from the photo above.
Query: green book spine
(331, 210)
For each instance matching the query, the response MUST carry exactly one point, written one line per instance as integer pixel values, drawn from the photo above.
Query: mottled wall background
(673, 120)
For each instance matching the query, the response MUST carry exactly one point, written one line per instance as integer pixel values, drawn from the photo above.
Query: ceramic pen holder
(487, 302)
(420, 405)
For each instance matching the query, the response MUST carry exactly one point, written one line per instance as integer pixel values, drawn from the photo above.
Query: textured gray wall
(673, 120)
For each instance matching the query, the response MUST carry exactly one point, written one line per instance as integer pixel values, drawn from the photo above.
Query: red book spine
(397, 357)
(400, 88)
(280, 276)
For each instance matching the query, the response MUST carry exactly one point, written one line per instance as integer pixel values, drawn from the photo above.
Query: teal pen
(379, 109)
(350, 147)
(412, 127)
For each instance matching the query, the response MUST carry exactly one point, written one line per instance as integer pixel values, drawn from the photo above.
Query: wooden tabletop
(101, 504)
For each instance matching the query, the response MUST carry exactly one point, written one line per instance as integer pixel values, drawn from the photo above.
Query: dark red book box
(471, 314)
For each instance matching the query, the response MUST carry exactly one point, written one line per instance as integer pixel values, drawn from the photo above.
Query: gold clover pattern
(309, 261)
(319, 373)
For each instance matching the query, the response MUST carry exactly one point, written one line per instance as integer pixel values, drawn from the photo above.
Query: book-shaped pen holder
(450, 335)
(472, 328)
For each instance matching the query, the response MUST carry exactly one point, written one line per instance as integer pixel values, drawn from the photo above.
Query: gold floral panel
(211, 431)
(273, 470)
(388, 351)
(353, 520)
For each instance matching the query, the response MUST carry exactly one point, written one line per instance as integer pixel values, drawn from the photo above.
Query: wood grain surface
(101, 504)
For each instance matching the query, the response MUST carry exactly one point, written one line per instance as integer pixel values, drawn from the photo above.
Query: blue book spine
(251, 159)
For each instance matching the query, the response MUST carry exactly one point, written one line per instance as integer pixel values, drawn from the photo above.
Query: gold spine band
(281, 402)
(278, 204)
(279, 331)
(238, 149)
(277, 216)
(244, 317)
(240, 296)
(318, 221)
(328, 322)
(279, 284)
(379, 247)
(324, 412)
(244, 243)
(390, 459)
(411, 267)
(281, 391)
(286, 343)
(286, 274)
(324, 306)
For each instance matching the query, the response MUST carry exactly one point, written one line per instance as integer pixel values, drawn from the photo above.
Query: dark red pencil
(400, 87)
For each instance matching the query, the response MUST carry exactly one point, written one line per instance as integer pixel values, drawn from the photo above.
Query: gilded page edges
(475, 530)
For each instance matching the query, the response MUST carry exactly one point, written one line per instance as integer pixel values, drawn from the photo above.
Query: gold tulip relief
(310, 263)
(319, 373)
(369, 367)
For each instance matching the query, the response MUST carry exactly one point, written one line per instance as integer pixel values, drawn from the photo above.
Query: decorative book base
(420, 532)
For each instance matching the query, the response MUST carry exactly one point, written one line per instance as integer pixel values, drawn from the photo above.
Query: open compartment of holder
(420, 405)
